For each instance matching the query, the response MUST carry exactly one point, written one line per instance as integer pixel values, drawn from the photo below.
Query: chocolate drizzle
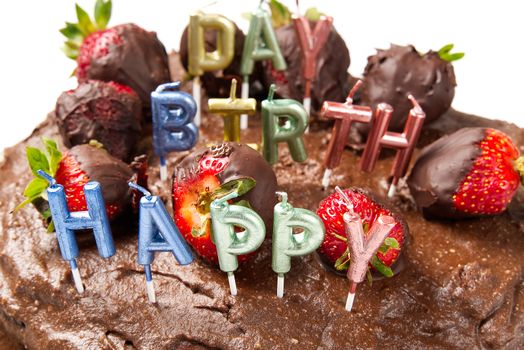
(330, 83)
(111, 173)
(96, 110)
(141, 62)
(392, 74)
(439, 170)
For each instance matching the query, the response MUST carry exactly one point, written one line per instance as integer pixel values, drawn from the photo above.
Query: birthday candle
(157, 233)
(260, 44)
(344, 115)
(173, 128)
(231, 108)
(66, 223)
(404, 142)
(224, 218)
(291, 131)
(311, 44)
(201, 61)
(286, 244)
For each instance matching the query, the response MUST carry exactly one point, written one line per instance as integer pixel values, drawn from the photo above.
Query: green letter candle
(291, 131)
(286, 244)
(201, 61)
(224, 218)
(231, 108)
(260, 44)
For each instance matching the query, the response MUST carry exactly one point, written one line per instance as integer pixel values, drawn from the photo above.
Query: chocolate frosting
(112, 174)
(439, 170)
(97, 110)
(392, 74)
(330, 83)
(218, 83)
(141, 62)
(245, 162)
(461, 288)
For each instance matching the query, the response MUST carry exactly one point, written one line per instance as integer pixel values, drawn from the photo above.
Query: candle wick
(47, 177)
(353, 91)
(271, 92)
(233, 91)
(346, 199)
(282, 197)
(415, 103)
(139, 188)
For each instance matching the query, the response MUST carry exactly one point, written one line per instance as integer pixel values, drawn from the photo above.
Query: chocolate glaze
(140, 63)
(218, 83)
(462, 287)
(330, 83)
(439, 170)
(110, 172)
(96, 110)
(246, 162)
(392, 74)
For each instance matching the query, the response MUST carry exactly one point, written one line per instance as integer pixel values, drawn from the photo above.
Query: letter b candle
(173, 127)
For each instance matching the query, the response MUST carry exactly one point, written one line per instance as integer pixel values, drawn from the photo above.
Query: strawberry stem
(519, 165)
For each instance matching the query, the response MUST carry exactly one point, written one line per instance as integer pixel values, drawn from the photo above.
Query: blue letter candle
(173, 128)
(66, 223)
(157, 233)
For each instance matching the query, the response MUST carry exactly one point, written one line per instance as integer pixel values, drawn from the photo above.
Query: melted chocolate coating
(110, 172)
(462, 287)
(439, 170)
(141, 62)
(392, 74)
(246, 162)
(218, 83)
(96, 110)
(330, 83)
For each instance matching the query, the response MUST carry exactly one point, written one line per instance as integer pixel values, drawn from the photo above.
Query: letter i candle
(286, 244)
(201, 61)
(230, 244)
(260, 44)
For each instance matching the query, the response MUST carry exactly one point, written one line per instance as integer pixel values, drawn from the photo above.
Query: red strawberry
(334, 250)
(212, 173)
(106, 112)
(73, 170)
(124, 53)
(471, 172)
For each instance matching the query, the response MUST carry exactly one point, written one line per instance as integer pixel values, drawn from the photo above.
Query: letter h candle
(404, 142)
(66, 223)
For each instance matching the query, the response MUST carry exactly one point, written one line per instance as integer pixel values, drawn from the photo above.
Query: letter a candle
(260, 44)
(229, 244)
(201, 61)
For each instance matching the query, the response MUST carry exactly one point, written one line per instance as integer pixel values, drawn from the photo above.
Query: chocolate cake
(461, 286)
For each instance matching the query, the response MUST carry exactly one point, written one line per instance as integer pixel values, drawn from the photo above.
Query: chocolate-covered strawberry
(104, 111)
(392, 74)
(472, 172)
(124, 53)
(75, 168)
(211, 173)
(335, 251)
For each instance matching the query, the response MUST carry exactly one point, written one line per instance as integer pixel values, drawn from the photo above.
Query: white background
(490, 77)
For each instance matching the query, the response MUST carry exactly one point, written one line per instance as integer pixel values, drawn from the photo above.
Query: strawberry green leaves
(240, 185)
(445, 53)
(75, 33)
(519, 165)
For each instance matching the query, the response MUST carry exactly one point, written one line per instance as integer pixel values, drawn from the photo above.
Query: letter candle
(231, 108)
(66, 222)
(286, 244)
(260, 44)
(361, 247)
(291, 131)
(201, 61)
(404, 142)
(310, 44)
(173, 128)
(229, 244)
(344, 115)
(157, 233)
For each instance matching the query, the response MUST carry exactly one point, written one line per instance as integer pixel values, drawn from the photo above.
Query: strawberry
(472, 172)
(334, 250)
(125, 53)
(104, 111)
(73, 169)
(212, 173)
